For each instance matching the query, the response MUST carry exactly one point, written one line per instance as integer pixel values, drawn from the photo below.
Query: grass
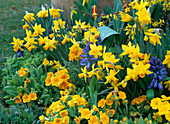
(11, 12)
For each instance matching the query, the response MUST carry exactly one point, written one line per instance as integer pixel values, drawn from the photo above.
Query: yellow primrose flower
(77, 120)
(42, 118)
(101, 103)
(155, 103)
(63, 113)
(122, 95)
(18, 100)
(48, 79)
(33, 96)
(45, 62)
(57, 121)
(112, 111)
(156, 115)
(104, 118)
(26, 98)
(86, 113)
(93, 120)
(167, 59)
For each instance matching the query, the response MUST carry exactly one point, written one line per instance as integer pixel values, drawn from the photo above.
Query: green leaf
(141, 121)
(81, 8)
(93, 82)
(11, 90)
(113, 50)
(117, 6)
(107, 10)
(150, 94)
(39, 72)
(30, 119)
(10, 102)
(71, 112)
(106, 32)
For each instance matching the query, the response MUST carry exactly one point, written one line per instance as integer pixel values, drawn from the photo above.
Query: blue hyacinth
(159, 73)
(87, 60)
(20, 53)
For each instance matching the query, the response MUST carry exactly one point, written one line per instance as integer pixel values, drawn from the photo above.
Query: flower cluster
(100, 113)
(23, 72)
(26, 98)
(163, 106)
(139, 100)
(159, 73)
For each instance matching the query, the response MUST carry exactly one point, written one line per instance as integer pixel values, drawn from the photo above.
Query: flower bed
(109, 68)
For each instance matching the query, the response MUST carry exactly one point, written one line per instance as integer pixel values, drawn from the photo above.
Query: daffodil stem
(116, 106)
(127, 111)
(45, 69)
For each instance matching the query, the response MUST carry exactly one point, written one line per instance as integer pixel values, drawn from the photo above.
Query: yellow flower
(154, 38)
(111, 77)
(112, 111)
(167, 59)
(26, 98)
(17, 44)
(95, 108)
(167, 84)
(104, 118)
(101, 103)
(77, 120)
(38, 30)
(50, 44)
(95, 50)
(125, 17)
(144, 16)
(43, 14)
(55, 13)
(86, 113)
(66, 120)
(63, 113)
(167, 116)
(58, 121)
(85, 1)
(23, 72)
(48, 122)
(164, 108)
(93, 120)
(122, 95)
(29, 17)
(109, 101)
(155, 103)
(156, 115)
(18, 100)
(45, 62)
(84, 74)
(48, 79)
(51, 62)
(42, 118)
(33, 96)
(124, 119)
